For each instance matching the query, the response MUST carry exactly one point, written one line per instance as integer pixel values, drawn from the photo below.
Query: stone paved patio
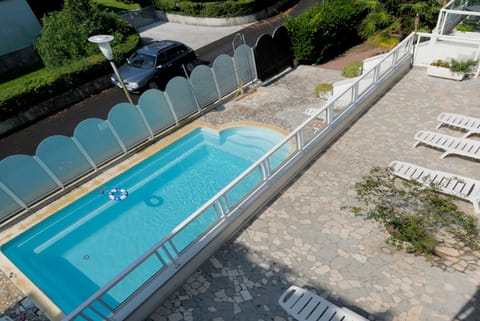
(304, 238)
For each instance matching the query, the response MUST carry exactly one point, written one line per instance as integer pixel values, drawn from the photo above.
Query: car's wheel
(152, 85)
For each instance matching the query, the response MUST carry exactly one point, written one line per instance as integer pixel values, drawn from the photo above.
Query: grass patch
(412, 214)
(115, 6)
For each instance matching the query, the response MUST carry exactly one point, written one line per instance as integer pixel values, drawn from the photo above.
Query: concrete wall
(141, 17)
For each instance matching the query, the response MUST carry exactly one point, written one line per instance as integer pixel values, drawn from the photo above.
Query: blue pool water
(72, 254)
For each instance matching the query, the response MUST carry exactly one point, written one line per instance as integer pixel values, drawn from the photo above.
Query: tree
(64, 35)
(389, 21)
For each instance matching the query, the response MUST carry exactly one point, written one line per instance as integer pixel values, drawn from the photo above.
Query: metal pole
(115, 70)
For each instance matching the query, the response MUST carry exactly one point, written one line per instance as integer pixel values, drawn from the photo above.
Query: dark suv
(153, 65)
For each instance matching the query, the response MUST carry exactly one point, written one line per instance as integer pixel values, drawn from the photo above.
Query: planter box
(443, 72)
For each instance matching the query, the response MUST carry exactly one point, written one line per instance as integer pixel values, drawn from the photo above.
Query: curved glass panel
(181, 97)
(203, 85)
(128, 124)
(225, 74)
(155, 107)
(28, 184)
(97, 139)
(243, 58)
(63, 158)
(8, 206)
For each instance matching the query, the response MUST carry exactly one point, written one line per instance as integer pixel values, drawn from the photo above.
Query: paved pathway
(304, 237)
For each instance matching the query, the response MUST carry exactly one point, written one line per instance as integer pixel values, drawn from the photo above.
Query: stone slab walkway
(305, 238)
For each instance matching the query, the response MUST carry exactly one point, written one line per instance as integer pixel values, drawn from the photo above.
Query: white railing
(306, 140)
(451, 14)
(445, 47)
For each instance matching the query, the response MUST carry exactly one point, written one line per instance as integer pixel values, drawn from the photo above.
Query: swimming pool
(73, 253)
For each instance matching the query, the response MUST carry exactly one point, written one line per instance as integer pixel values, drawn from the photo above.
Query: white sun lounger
(304, 305)
(451, 145)
(447, 183)
(469, 124)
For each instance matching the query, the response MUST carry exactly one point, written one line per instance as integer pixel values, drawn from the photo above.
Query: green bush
(464, 27)
(462, 66)
(64, 35)
(22, 93)
(325, 30)
(116, 5)
(225, 8)
(352, 69)
(440, 63)
(455, 65)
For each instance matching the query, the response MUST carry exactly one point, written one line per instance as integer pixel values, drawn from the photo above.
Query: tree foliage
(64, 35)
(393, 20)
(325, 30)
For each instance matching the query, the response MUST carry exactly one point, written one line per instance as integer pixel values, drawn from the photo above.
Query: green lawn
(116, 5)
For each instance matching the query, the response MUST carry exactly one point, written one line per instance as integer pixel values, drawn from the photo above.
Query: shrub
(440, 63)
(464, 27)
(64, 35)
(225, 8)
(325, 30)
(352, 69)
(323, 89)
(455, 65)
(411, 214)
(462, 66)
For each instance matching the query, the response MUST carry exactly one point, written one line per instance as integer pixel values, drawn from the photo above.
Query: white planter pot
(443, 72)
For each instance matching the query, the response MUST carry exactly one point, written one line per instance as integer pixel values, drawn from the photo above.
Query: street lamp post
(103, 42)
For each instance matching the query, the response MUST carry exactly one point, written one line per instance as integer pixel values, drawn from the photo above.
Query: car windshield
(140, 60)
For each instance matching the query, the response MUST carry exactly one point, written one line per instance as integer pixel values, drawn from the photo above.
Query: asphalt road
(26, 140)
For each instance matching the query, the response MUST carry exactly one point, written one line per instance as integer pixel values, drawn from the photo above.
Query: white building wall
(19, 27)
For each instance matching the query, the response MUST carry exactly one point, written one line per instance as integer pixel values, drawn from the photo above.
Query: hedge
(227, 8)
(22, 93)
(325, 30)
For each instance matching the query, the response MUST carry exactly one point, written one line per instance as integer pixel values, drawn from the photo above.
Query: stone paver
(305, 238)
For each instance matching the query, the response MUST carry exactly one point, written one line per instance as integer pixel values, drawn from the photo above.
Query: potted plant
(453, 69)
(323, 90)
(463, 27)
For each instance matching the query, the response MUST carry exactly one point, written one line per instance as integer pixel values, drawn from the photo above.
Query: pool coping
(21, 281)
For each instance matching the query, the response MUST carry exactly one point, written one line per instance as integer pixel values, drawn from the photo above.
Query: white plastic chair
(447, 183)
(451, 145)
(469, 124)
(305, 305)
